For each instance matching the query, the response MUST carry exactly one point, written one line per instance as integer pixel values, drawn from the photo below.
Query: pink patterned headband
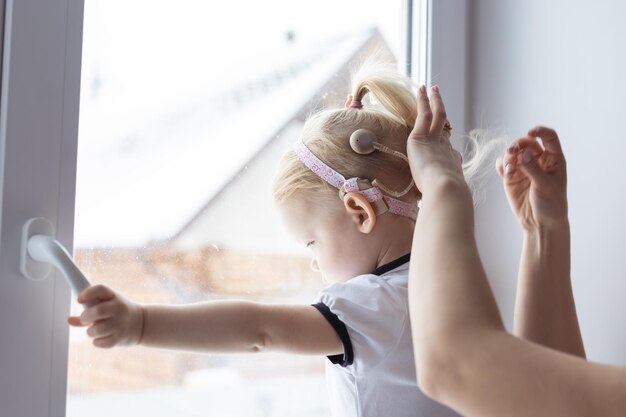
(381, 202)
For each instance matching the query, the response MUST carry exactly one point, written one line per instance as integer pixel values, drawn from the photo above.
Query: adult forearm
(217, 326)
(450, 298)
(446, 269)
(545, 311)
(464, 357)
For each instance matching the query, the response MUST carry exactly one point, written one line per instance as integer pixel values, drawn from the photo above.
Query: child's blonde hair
(390, 115)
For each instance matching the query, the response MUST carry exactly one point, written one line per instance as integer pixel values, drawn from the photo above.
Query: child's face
(340, 251)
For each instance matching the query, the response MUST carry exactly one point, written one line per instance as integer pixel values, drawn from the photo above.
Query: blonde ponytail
(481, 150)
(387, 87)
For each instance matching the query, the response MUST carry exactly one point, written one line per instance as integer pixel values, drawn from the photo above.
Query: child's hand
(535, 180)
(112, 320)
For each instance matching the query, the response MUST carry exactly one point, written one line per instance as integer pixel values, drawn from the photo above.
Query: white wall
(563, 64)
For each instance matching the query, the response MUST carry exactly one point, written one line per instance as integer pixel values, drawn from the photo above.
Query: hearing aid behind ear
(363, 142)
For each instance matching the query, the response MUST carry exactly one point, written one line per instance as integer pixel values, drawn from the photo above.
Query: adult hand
(431, 156)
(112, 320)
(535, 180)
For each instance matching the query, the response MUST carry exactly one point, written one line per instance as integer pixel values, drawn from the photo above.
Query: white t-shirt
(375, 376)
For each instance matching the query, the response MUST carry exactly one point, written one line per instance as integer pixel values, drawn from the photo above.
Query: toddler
(345, 191)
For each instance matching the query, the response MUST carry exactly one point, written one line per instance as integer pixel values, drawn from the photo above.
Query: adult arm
(464, 357)
(545, 311)
(535, 181)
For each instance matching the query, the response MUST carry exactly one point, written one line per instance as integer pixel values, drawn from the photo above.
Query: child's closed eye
(309, 243)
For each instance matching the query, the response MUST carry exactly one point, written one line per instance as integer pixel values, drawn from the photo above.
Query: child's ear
(361, 211)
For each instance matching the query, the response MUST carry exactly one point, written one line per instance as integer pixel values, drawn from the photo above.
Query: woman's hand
(535, 180)
(112, 320)
(431, 156)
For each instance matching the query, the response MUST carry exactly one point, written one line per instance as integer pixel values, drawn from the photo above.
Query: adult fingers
(458, 156)
(446, 133)
(530, 166)
(424, 113)
(438, 110)
(509, 165)
(95, 293)
(499, 166)
(505, 168)
(521, 144)
(515, 151)
(549, 138)
(97, 312)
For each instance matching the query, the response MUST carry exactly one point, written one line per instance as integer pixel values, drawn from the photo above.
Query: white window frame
(443, 31)
(436, 53)
(39, 107)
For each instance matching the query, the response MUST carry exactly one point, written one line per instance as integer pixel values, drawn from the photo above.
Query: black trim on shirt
(347, 357)
(392, 265)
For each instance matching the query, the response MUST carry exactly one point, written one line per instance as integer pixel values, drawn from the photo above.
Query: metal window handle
(39, 251)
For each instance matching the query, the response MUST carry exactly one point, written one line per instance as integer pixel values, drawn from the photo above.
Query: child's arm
(218, 326)
(535, 183)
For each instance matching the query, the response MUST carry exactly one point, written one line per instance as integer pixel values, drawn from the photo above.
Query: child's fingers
(75, 321)
(95, 293)
(104, 342)
(97, 312)
(438, 111)
(102, 328)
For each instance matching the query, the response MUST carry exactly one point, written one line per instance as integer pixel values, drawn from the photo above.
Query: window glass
(185, 109)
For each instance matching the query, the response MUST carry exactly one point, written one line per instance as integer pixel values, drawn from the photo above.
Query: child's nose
(314, 265)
